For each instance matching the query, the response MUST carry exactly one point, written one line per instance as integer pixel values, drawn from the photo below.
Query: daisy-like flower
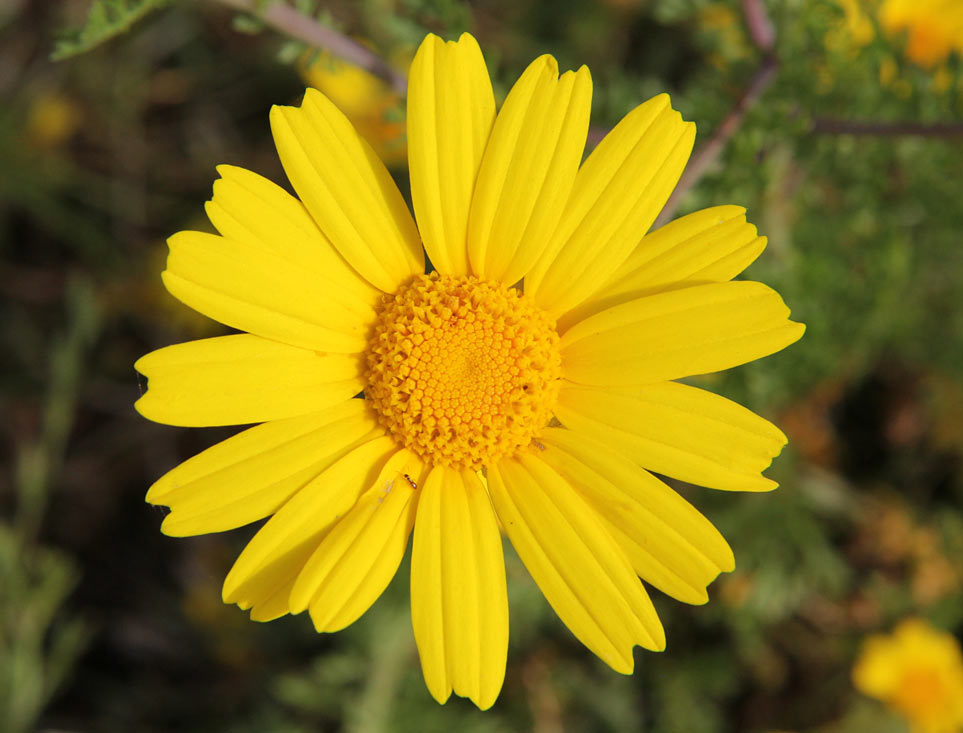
(521, 387)
(918, 672)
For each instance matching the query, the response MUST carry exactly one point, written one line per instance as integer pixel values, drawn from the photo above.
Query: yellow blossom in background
(848, 36)
(52, 120)
(933, 28)
(857, 24)
(520, 387)
(369, 102)
(727, 29)
(926, 31)
(918, 672)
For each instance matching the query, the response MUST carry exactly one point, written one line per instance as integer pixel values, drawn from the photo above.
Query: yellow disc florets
(462, 371)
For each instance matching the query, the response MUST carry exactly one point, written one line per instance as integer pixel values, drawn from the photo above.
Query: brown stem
(288, 20)
(760, 27)
(823, 126)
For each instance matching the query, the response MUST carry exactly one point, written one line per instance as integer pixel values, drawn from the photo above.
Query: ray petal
(678, 333)
(618, 193)
(451, 109)
(669, 543)
(252, 474)
(284, 544)
(240, 379)
(576, 563)
(528, 169)
(679, 431)
(348, 191)
(459, 602)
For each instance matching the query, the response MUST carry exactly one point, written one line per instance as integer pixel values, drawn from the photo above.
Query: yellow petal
(283, 545)
(528, 169)
(252, 288)
(348, 191)
(712, 245)
(678, 431)
(359, 556)
(459, 602)
(618, 194)
(273, 604)
(249, 208)
(674, 334)
(669, 543)
(251, 475)
(234, 380)
(583, 573)
(451, 108)
(273, 600)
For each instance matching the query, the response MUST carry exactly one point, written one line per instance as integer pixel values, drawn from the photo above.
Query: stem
(760, 27)
(286, 19)
(822, 126)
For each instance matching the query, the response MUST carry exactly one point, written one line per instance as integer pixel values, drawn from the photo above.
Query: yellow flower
(918, 672)
(52, 121)
(934, 28)
(858, 24)
(725, 27)
(365, 99)
(487, 403)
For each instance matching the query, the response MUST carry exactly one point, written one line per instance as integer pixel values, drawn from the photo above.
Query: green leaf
(105, 19)
(290, 52)
(248, 24)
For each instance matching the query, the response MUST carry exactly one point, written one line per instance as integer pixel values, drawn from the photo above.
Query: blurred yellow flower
(52, 120)
(374, 108)
(918, 672)
(934, 28)
(725, 26)
(857, 23)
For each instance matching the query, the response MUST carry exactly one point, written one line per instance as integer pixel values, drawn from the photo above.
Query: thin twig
(761, 30)
(286, 19)
(823, 126)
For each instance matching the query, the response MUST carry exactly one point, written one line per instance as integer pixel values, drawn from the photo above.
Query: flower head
(524, 385)
(918, 672)
(933, 28)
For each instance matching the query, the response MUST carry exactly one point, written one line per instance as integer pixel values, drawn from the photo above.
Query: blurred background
(837, 123)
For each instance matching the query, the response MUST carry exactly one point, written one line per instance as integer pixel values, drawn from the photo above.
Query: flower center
(462, 371)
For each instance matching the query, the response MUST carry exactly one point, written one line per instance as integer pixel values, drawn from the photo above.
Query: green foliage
(105, 20)
(38, 645)
(39, 642)
(248, 24)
